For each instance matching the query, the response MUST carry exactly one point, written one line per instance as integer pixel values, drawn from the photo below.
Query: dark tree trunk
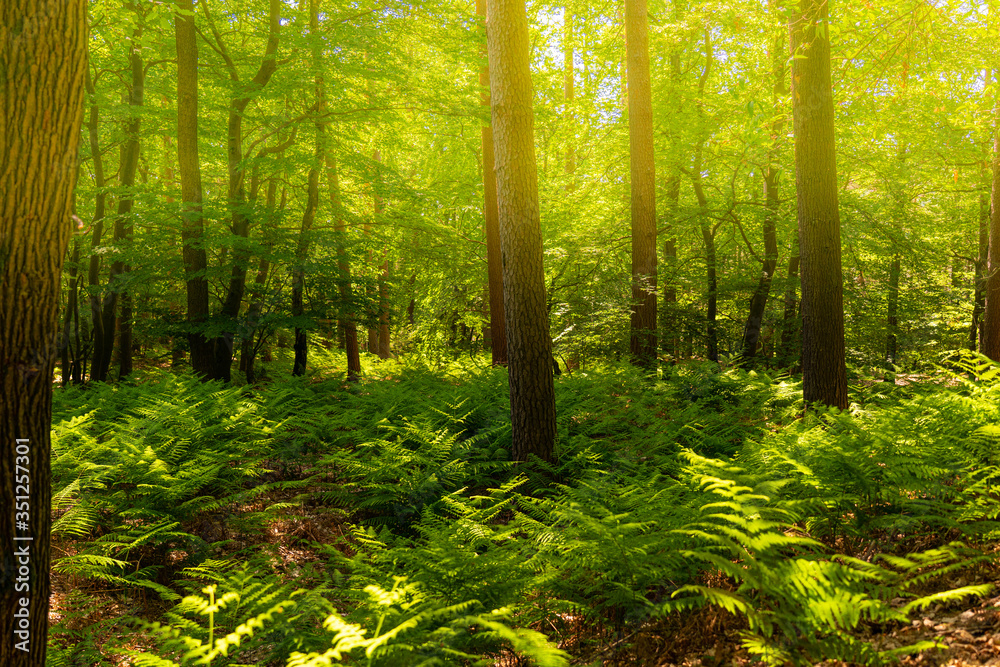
(298, 276)
(43, 56)
(979, 287)
(222, 346)
(129, 165)
(790, 323)
(758, 302)
(189, 167)
(642, 344)
(532, 394)
(824, 374)
(348, 325)
(248, 349)
(494, 268)
(70, 367)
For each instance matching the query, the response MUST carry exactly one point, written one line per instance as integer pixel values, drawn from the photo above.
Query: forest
(501, 333)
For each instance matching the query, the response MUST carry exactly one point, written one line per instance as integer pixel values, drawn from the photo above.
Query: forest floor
(164, 485)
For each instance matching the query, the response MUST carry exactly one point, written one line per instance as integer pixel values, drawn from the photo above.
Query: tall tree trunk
(669, 325)
(979, 287)
(791, 323)
(248, 349)
(43, 57)
(707, 230)
(824, 374)
(381, 330)
(69, 367)
(347, 322)
(642, 344)
(240, 220)
(758, 302)
(189, 168)
(532, 393)
(94, 269)
(301, 252)
(991, 319)
(123, 227)
(494, 268)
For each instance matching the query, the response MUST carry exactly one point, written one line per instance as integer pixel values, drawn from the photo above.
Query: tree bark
(494, 268)
(758, 302)
(642, 344)
(248, 349)
(532, 394)
(43, 58)
(824, 374)
(991, 319)
(94, 269)
(189, 168)
(347, 322)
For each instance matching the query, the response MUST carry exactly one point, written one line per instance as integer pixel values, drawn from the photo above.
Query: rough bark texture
(642, 344)
(758, 302)
(189, 168)
(494, 268)
(42, 69)
(532, 395)
(824, 375)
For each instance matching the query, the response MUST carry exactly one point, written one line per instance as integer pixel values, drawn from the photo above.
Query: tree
(758, 302)
(642, 344)
(494, 269)
(42, 71)
(189, 168)
(532, 394)
(824, 373)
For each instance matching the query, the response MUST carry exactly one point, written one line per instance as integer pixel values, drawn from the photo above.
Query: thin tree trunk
(494, 268)
(301, 251)
(71, 308)
(670, 342)
(758, 302)
(532, 393)
(347, 322)
(43, 56)
(642, 345)
(248, 350)
(824, 374)
(123, 227)
(979, 287)
(223, 345)
(94, 270)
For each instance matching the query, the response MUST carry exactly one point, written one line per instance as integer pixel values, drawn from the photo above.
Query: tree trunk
(69, 372)
(129, 165)
(532, 394)
(381, 332)
(494, 268)
(248, 349)
(758, 302)
(790, 323)
(301, 251)
(824, 374)
(642, 345)
(43, 58)
(347, 322)
(669, 325)
(979, 287)
(240, 226)
(189, 168)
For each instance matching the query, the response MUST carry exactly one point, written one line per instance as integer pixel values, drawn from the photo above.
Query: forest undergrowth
(693, 516)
